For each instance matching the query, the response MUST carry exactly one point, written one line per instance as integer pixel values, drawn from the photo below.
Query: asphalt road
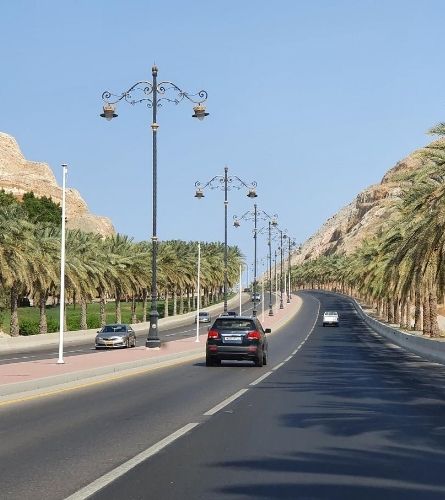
(347, 416)
(75, 348)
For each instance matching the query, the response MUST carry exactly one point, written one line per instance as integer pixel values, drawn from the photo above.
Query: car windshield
(203, 313)
(333, 313)
(234, 324)
(114, 329)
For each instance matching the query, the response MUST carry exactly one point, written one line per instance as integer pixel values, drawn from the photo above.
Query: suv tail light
(255, 335)
(213, 334)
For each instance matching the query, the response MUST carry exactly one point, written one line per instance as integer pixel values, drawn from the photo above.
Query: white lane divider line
(288, 359)
(279, 365)
(224, 403)
(111, 476)
(260, 379)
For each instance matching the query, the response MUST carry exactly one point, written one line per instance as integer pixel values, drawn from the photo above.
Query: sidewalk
(31, 378)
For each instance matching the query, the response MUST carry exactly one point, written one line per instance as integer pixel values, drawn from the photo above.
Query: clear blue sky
(314, 100)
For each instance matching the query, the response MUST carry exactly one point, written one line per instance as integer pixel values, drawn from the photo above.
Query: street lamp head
(252, 193)
(108, 113)
(199, 112)
(199, 194)
(236, 223)
(274, 222)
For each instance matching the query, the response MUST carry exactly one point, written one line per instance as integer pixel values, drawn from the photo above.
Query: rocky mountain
(19, 176)
(365, 216)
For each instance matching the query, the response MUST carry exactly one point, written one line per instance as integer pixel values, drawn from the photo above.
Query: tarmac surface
(32, 378)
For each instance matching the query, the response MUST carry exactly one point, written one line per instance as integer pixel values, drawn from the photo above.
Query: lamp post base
(153, 343)
(270, 312)
(153, 339)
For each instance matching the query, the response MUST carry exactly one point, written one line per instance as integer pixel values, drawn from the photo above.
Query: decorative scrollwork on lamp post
(153, 94)
(225, 182)
(254, 216)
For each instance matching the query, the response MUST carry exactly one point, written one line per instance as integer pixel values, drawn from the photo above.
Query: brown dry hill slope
(365, 216)
(19, 176)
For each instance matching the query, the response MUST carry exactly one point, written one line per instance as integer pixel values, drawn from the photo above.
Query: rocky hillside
(18, 176)
(364, 217)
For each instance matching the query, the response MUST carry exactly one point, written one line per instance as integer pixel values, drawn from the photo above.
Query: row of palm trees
(401, 271)
(99, 268)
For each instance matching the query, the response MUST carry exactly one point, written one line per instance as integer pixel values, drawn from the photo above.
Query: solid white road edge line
(225, 402)
(106, 479)
(260, 379)
(288, 358)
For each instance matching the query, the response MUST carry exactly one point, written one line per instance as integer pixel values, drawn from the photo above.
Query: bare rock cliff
(364, 217)
(19, 176)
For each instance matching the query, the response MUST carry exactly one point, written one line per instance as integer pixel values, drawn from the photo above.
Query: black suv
(237, 337)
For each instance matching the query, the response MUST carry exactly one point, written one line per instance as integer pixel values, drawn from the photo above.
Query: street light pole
(281, 269)
(225, 182)
(152, 95)
(249, 215)
(60, 361)
(270, 271)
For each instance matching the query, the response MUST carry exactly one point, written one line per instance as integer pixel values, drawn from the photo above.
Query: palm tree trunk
(102, 312)
(117, 302)
(396, 311)
(14, 328)
(434, 330)
(181, 302)
(188, 300)
(175, 302)
(133, 309)
(43, 324)
(144, 305)
(417, 311)
(426, 327)
(166, 304)
(83, 314)
(389, 311)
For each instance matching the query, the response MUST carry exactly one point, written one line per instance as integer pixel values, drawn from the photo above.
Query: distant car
(330, 318)
(115, 335)
(237, 338)
(203, 317)
(229, 313)
(256, 297)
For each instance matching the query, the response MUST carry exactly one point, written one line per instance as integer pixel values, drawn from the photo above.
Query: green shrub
(53, 325)
(29, 327)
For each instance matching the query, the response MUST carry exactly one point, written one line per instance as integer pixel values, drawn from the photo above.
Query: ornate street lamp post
(282, 236)
(291, 244)
(249, 215)
(152, 94)
(225, 182)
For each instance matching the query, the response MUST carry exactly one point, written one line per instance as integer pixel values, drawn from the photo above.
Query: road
(75, 348)
(337, 414)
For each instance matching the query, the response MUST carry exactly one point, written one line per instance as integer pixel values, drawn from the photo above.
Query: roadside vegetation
(97, 270)
(400, 272)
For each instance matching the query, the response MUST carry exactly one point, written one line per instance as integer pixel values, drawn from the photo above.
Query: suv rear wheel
(259, 361)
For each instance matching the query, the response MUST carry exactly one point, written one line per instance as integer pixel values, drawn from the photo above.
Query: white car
(330, 318)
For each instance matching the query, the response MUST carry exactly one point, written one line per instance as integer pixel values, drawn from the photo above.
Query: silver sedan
(115, 335)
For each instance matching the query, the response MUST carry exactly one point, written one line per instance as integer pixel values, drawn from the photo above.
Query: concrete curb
(70, 380)
(57, 383)
(431, 349)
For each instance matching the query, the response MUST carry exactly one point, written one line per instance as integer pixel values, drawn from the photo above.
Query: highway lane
(55, 445)
(75, 348)
(347, 417)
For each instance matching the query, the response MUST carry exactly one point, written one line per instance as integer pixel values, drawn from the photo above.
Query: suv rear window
(234, 324)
